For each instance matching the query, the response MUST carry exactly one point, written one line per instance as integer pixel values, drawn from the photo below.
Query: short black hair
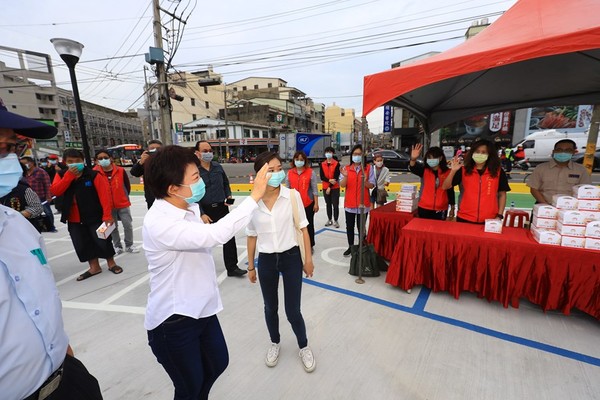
(302, 154)
(73, 153)
(566, 141)
(167, 167)
(154, 141)
(436, 152)
(329, 150)
(100, 151)
(197, 147)
(28, 159)
(264, 158)
(357, 147)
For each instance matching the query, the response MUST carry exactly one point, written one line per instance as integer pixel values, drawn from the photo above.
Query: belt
(213, 205)
(49, 386)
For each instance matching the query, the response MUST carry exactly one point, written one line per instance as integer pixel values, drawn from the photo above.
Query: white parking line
(126, 290)
(104, 307)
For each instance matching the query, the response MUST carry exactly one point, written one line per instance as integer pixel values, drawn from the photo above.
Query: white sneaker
(336, 224)
(308, 360)
(132, 249)
(272, 355)
(118, 250)
(328, 223)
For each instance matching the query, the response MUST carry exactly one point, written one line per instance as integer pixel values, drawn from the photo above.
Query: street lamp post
(70, 51)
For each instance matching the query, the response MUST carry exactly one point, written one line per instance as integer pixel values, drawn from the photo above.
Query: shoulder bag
(299, 234)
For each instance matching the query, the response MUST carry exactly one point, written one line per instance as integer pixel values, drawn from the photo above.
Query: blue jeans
(192, 351)
(289, 264)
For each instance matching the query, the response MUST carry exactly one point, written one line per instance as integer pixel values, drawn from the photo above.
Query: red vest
(353, 182)
(301, 182)
(328, 170)
(118, 193)
(433, 198)
(479, 196)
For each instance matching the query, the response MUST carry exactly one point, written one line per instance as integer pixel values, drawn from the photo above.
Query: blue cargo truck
(313, 144)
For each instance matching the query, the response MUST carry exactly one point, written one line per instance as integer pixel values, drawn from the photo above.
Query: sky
(323, 48)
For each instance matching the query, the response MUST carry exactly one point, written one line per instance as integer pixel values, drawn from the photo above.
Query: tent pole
(361, 216)
(588, 158)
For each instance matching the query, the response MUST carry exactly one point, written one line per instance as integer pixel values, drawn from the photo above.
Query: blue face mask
(356, 159)
(562, 157)
(198, 190)
(104, 163)
(299, 163)
(207, 157)
(433, 162)
(10, 172)
(276, 179)
(328, 155)
(79, 166)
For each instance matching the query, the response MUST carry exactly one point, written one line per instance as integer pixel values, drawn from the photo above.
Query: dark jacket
(137, 170)
(84, 191)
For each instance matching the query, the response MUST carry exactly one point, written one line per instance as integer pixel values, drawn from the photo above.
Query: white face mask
(379, 164)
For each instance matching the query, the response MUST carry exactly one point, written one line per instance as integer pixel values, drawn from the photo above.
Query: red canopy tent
(540, 52)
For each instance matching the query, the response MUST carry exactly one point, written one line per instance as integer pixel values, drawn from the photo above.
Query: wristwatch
(500, 216)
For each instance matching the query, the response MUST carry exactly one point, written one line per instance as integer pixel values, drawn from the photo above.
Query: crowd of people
(188, 196)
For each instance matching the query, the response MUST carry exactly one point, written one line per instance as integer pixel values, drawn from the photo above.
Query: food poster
(497, 127)
(566, 119)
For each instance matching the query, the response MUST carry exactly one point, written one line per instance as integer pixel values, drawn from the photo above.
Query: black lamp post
(70, 51)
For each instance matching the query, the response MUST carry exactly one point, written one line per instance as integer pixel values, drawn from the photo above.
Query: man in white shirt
(36, 360)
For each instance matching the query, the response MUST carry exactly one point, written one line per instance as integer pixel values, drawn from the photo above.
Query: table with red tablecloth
(385, 225)
(456, 257)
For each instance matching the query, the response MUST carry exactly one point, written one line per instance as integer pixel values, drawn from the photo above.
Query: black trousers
(352, 220)
(76, 383)
(432, 214)
(310, 216)
(230, 257)
(332, 202)
(87, 244)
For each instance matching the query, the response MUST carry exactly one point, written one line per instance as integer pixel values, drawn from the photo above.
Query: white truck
(538, 146)
(313, 144)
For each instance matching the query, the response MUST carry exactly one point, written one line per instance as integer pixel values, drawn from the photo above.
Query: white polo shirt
(178, 248)
(274, 229)
(33, 342)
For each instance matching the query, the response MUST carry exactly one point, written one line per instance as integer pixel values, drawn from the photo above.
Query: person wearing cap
(39, 181)
(138, 168)
(86, 205)
(35, 352)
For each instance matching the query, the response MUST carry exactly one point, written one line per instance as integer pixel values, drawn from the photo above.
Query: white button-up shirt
(275, 228)
(33, 342)
(178, 247)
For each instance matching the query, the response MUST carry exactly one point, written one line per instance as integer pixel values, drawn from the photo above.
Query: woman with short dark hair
(183, 330)
(330, 177)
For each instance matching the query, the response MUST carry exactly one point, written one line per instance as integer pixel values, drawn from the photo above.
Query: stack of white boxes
(406, 199)
(570, 221)
(588, 198)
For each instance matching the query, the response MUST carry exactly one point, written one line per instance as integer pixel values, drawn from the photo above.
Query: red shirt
(39, 181)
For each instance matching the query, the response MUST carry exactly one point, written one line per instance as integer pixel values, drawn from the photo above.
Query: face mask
(53, 162)
(79, 166)
(104, 163)
(328, 155)
(356, 159)
(152, 151)
(379, 164)
(299, 163)
(276, 179)
(10, 172)
(433, 162)
(480, 158)
(198, 190)
(562, 157)
(43, 165)
(207, 156)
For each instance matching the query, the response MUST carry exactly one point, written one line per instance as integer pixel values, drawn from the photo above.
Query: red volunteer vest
(301, 182)
(352, 198)
(118, 193)
(432, 198)
(328, 170)
(479, 197)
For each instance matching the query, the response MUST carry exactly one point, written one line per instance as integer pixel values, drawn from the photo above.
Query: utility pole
(149, 105)
(225, 118)
(164, 102)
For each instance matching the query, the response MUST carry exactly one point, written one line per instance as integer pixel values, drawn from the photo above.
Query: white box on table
(592, 230)
(408, 188)
(589, 192)
(571, 217)
(588, 205)
(545, 211)
(545, 236)
(563, 202)
(573, 241)
(104, 231)
(406, 195)
(570, 230)
(592, 243)
(407, 202)
(493, 226)
(590, 216)
(408, 209)
(547, 223)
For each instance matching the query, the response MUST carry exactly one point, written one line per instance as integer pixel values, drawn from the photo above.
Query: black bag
(372, 263)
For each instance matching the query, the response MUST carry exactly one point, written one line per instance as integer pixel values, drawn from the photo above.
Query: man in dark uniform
(137, 169)
(215, 203)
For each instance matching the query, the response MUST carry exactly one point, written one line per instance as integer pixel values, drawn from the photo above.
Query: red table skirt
(453, 257)
(385, 225)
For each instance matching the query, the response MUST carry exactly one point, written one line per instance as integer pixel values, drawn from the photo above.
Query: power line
(69, 23)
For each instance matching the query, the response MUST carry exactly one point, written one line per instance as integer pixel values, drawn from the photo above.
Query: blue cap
(25, 126)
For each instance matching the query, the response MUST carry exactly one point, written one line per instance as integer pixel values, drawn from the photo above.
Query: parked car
(395, 161)
(578, 158)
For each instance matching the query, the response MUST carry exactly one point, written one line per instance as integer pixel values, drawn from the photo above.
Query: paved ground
(371, 341)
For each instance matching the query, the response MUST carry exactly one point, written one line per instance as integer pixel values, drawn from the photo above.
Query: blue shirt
(33, 340)
(217, 184)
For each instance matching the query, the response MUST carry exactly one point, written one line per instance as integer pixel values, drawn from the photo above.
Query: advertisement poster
(497, 127)
(565, 119)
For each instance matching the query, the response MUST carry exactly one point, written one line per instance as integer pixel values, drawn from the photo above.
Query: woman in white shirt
(272, 231)
(183, 330)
